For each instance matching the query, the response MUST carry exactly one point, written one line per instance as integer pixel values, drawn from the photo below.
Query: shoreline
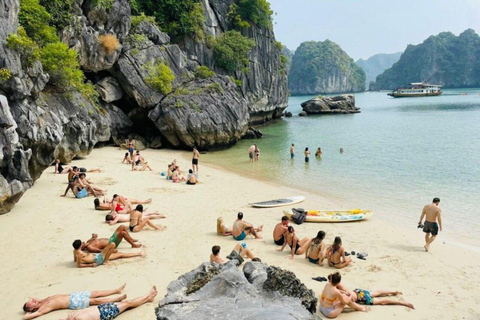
(43, 225)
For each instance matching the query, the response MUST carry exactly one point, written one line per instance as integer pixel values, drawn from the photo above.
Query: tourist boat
(418, 89)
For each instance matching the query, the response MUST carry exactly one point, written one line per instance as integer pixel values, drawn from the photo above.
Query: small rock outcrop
(343, 104)
(215, 291)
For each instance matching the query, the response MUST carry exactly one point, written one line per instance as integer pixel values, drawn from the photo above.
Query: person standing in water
(341, 150)
(196, 155)
(257, 153)
(251, 152)
(432, 214)
(292, 151)
(307, 155)
(318, 154)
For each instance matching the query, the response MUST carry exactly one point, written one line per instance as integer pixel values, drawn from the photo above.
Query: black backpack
(299, 215)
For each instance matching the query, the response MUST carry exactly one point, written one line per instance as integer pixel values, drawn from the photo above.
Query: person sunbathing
(114, 218)
(89, 260)
(242, 228)
(371, 298)
(84, 183)
(334, 298)
(222, 229)
(297, 246)
(107, 204)
(59, 169)
(96, 244)
(177, 177)
(127, 159)
(239, 252)
(138, 222)
(34, 307)
(109, 311)
(336, 255)
(316, 252)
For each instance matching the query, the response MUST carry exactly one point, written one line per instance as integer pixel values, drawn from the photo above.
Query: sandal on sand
(347, 254)
(363, 254)
(361, 257)
(352, 253)
(320, 279)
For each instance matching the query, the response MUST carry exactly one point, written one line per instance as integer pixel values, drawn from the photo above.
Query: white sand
(37, 236)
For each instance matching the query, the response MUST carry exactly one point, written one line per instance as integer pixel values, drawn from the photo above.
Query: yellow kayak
(334, 216)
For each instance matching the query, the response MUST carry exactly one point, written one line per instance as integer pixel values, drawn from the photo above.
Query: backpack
(299, 215)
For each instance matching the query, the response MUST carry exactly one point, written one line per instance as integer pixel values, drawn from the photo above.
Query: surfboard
(278, 202)
(334, 216)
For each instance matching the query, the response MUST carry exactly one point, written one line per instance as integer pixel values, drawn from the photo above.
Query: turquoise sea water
(398, 155)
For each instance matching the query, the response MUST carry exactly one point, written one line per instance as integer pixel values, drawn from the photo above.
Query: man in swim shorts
(90, 260)
(196, 155)
(371, 298)
(109, 311)
(251, 152)
(280, 230)
(77, 300)
(241, 229)
(292, 151)
(96, 244)
(432, 214)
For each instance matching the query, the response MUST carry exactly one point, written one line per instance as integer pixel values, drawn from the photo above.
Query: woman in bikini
(137, 222)
(335, 298)
(298, 247)
(336, 255)
(127, 159)
(222, 230)
(107, 204)
(316, 252)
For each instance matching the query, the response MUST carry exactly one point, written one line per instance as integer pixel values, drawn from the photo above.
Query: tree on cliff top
(257, 11)
(231, 51)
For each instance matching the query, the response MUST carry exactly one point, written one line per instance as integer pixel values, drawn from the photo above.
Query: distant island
(377, 64)
(323, 67)
(445, 59)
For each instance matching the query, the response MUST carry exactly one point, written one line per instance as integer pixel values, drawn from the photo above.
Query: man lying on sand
(109, 311)
(96, 244)
(107, 204)
(89, 260)
(280, 230)
(138, 222)
(114, 218)
(241, 229)
(77, 300)
(238, 253)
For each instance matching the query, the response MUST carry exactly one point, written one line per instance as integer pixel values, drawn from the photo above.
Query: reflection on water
(399, 154)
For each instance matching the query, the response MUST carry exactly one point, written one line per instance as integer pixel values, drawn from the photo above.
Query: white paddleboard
(278, 202)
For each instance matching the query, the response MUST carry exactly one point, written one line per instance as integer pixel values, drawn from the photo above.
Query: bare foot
(396, 293)
(143, 253)
(160, 228)
(409, 305)
(135, 240)
(364, 309)
(260, 228)
(119, 290)
(258, 237)
(426, 247)
(136, 245)
(153, 293)
(148, 200)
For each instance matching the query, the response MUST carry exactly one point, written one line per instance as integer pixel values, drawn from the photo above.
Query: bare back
(279, 230)
(238, 227)
(432, 212)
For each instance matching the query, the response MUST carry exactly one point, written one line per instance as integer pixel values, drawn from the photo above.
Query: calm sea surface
(398, 155)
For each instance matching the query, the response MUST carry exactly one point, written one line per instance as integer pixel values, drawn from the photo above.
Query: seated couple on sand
(139, 163)
(240, 228)
(105, 308)
(335, 253)
(82, 188)
(238, 253)
(335, 297)
(105, 249)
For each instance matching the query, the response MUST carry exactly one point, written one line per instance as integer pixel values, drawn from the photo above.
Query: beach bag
(299, 215)
(82, 193)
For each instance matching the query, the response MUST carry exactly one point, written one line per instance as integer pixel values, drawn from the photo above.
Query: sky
(367, 27)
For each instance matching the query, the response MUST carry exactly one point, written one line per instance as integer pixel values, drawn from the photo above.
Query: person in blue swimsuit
(74, 301)
(241, 229)
(109, 311)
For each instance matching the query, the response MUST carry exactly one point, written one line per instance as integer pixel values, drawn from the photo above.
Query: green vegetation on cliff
(244, 12)
(37, 40)
(177, 18)
(445, 59)
(230, 51)
(323, 67)
(160, 77)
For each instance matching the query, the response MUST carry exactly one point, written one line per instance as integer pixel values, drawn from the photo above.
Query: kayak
(278, 202)
(334, 216)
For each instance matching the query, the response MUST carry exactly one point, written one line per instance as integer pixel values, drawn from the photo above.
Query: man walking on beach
(292, 151)
(432, 214)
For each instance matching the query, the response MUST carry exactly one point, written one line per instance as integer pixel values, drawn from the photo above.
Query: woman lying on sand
(335, 298)
(222, 229)
(336, 255)
(107, 204)
(298, 246)
(316, 252)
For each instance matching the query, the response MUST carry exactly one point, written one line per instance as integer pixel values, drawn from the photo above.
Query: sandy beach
(38, 234)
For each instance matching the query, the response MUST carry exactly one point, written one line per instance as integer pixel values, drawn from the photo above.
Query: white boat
(418, 89)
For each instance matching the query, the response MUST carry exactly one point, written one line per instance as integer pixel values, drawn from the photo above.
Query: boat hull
(406, 95)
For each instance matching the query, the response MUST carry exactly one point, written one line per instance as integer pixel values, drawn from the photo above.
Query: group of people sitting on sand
(175, 175)
(137, 161)
(89, 305)
(314, 249)
(77, 181)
